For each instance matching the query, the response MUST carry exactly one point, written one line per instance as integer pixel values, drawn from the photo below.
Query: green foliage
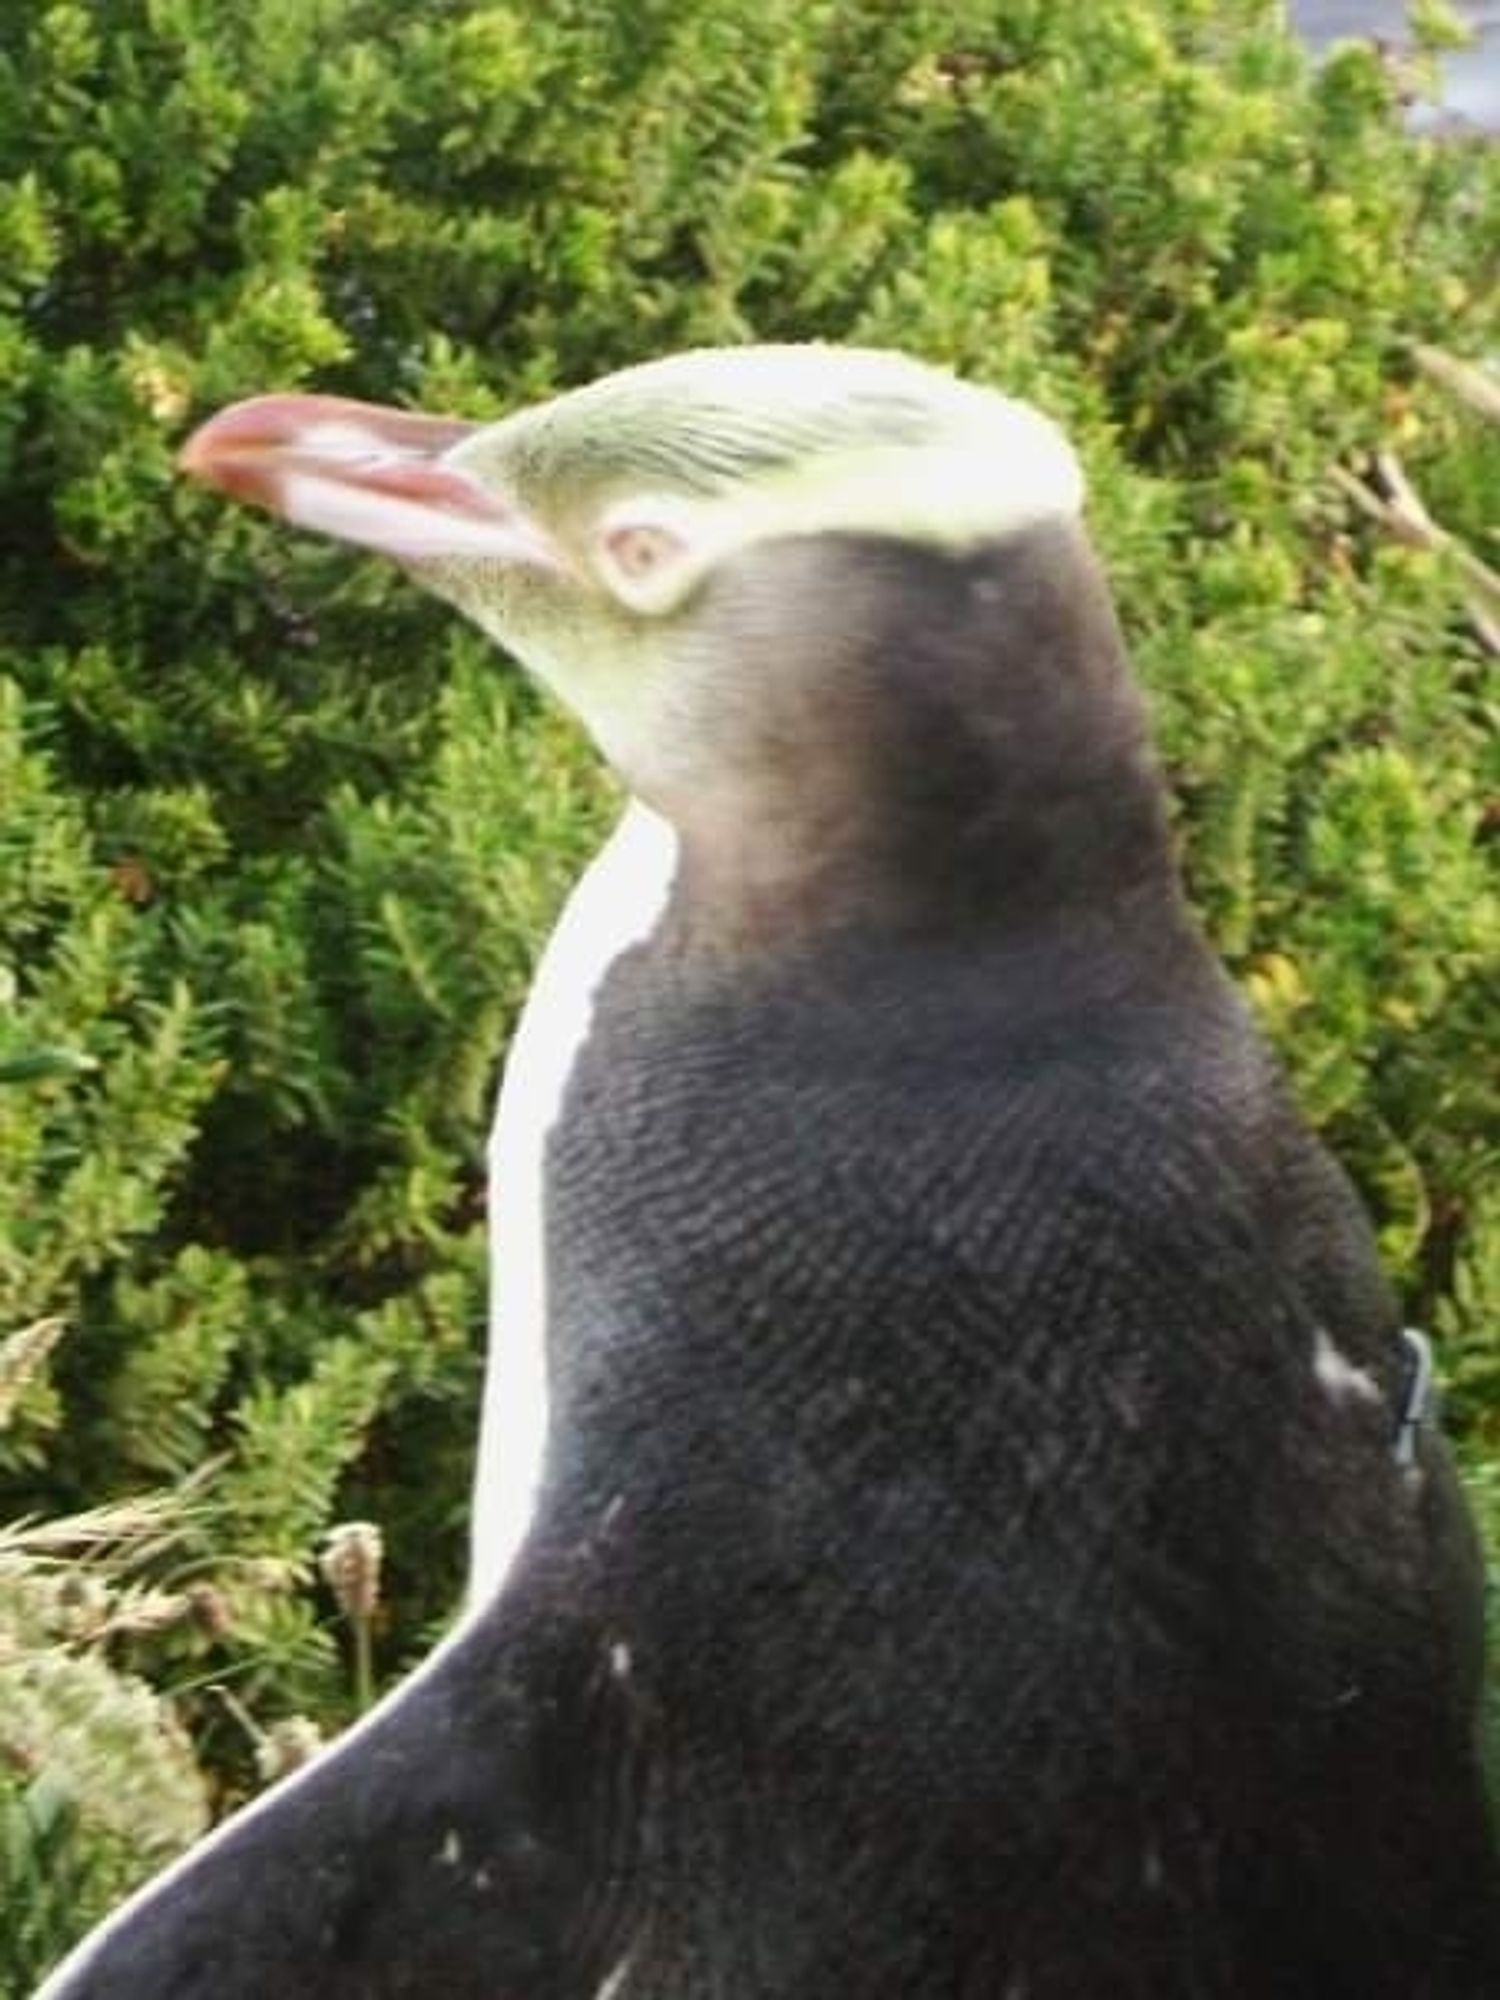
(279, 840)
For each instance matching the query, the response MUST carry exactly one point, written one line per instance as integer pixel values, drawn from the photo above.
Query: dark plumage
(970, 1557)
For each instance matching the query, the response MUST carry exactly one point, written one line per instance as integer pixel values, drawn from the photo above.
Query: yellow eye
(647, 556)
(637, 549)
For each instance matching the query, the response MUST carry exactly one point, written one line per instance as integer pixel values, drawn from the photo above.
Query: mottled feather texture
(721, 421)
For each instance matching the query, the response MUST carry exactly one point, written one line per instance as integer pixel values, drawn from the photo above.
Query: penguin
(952, 1517)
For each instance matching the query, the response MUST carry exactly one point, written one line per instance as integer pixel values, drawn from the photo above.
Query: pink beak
(365, 474)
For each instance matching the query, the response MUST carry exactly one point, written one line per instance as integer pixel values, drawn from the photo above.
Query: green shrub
(279, 839)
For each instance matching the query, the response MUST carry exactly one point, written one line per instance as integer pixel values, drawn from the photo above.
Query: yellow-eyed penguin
(952, 1521)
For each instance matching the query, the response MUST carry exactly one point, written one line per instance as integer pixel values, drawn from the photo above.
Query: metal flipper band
(1418, 1405)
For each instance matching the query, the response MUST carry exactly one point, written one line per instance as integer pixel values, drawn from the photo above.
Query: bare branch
(1471, 384)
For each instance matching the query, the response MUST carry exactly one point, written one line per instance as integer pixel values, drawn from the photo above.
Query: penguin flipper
(448, 1844)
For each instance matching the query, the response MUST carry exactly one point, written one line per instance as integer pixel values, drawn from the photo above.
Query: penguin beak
(365, 474)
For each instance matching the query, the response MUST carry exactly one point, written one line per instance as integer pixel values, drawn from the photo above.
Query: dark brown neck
(926, 742)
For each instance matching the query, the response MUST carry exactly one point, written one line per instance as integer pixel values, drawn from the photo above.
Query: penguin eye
(646, 559)
(638, 550)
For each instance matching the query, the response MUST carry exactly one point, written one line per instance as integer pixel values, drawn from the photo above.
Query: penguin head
(641, 544)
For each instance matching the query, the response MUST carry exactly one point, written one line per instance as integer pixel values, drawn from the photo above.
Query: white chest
(616, 904)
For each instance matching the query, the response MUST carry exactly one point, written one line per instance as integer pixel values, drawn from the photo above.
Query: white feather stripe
(617, 904)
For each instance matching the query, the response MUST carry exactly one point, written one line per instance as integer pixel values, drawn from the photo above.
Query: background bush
(279, 838)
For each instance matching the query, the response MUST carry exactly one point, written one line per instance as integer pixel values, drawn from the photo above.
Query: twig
(1471, 384)
(1398, 508)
